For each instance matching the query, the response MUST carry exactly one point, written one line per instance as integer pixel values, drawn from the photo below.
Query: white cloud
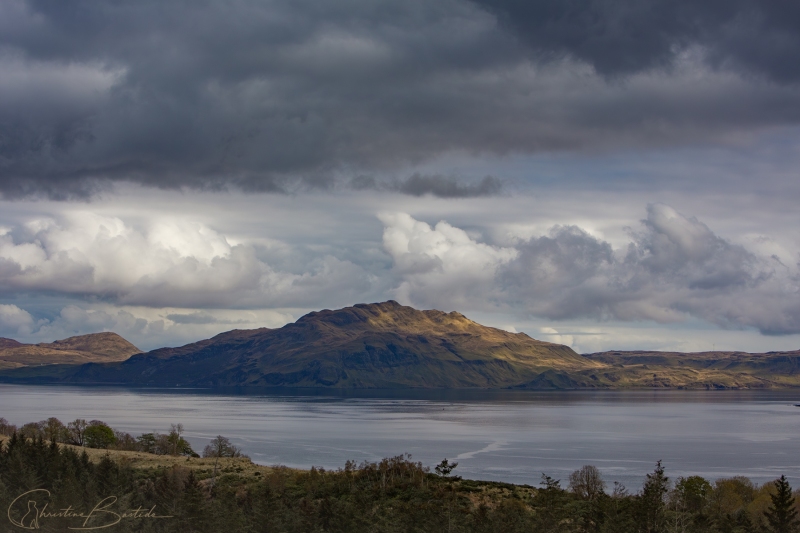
(124, 269)
(15, 320)
(672, 268)
(167, 263)
(439, 265)
(552, 335)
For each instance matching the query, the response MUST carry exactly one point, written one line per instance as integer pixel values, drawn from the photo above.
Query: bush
(170, 444)
(99, 435)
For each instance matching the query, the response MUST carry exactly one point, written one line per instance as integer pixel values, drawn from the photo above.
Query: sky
(607, 174)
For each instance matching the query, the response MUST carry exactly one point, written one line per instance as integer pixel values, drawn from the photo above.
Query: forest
(46, 482)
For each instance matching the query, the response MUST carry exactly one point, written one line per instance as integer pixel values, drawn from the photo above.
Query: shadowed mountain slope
(96, 347)
(364, 346)
(387, 345)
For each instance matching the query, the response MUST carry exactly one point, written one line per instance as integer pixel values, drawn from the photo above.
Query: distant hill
(96, 347)
(382, 345)
(387, 345)
(713, 370)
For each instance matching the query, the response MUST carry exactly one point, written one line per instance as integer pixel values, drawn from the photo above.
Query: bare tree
(174, 437)
(124, 441)
(54, 430)
(6, 428)
(587, 483)
(220, 447)
(76, 430)
(32, 430)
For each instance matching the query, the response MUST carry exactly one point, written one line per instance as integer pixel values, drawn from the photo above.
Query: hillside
(382, 345)
(387, 345)
(717, 369)
(93, 348)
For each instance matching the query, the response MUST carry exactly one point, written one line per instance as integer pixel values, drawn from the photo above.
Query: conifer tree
(550, 504)
(191, 506)
(782, 515)
(651, 501)
(444, 468)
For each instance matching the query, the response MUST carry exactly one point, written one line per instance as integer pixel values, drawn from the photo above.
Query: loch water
(496, 435)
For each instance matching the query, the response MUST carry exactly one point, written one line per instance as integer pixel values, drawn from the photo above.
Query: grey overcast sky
(609, 174)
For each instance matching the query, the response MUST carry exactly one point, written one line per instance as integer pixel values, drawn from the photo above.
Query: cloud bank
(625, 36)
(673, 268)
(173, 280)
(168, 263)
(284, 95)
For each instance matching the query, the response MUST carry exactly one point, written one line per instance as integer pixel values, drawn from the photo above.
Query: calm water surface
(508, 436)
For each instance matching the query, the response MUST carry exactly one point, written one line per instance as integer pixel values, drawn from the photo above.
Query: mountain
(383, 345)
(387, 345)
(96, 347)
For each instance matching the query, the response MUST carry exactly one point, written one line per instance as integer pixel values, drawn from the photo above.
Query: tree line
(98, 434)
(394, 494)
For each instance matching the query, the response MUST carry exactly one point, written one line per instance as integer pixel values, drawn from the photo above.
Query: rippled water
(509, 436)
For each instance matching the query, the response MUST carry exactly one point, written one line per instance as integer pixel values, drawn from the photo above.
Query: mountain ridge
(388, 345)
(381, 345)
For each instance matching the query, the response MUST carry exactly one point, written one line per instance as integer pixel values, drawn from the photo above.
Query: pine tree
(550, 504)
(191, 506)
(781, 515)
(651, 501)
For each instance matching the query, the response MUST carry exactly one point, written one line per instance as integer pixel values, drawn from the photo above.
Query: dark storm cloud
(435, 185)
(283, 95)
(626, 36)
(444, 187)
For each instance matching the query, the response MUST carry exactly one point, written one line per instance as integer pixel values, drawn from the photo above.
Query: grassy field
(203, 467)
